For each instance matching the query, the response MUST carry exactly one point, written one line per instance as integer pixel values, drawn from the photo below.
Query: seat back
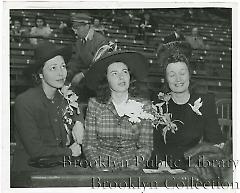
(224, 112)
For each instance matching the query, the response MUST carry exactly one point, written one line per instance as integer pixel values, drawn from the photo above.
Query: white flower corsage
(68, 112)
(134, 110)
(72, 104)
(196, 106)
(164, 118)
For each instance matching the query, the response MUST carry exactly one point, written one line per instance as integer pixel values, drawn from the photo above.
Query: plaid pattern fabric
(113, 141)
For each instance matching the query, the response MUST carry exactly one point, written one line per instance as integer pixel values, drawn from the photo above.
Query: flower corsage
(164, 118)
(197, 105)
(70, 110)
(135, 111)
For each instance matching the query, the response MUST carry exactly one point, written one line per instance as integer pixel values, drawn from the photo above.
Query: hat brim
(65, 52)
(135, 61)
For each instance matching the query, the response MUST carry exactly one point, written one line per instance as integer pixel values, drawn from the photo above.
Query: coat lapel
(111, 107)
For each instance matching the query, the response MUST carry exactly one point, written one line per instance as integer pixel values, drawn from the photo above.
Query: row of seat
(218, 59)
(25, 52)
(217, 35)
(218, 55)
(218, 29)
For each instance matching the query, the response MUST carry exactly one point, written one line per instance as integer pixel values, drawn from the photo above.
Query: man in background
(175, 36)
(87, 44)
(195, 40)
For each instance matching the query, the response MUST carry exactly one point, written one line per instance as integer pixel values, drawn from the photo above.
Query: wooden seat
(224, 112)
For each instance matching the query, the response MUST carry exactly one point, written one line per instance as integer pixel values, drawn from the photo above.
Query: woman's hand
(77, 132)
(203, 148)
(76, 149)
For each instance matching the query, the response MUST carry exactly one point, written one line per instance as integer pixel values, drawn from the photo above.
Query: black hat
(46, 51)
(135, 61)
(171, 48)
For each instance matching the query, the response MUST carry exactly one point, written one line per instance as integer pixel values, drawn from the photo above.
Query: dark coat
(39, 128)
(85, 52)
(172, 38)
(194, 128)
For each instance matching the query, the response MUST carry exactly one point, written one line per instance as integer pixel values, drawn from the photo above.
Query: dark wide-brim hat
(46, 51)
(135, 61)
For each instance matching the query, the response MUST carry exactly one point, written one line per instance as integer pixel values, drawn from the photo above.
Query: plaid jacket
(112, 141)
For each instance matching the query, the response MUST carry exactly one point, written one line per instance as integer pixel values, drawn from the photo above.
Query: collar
(44, 97)
(123, 102)
(120, 107)
(89, 35)
(112, 107)
(176, 35)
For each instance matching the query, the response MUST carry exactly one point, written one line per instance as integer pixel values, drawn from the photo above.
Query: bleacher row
(212, 68)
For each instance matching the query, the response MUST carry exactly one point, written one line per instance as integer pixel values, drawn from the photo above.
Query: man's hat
(135, 61)
(46, 51)
(81, 18)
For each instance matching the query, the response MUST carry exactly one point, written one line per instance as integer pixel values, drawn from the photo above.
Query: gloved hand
(77, 132)
(76, 149)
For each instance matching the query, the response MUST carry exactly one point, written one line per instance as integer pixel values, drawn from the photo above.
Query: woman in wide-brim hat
(42, 128)
(112, 140)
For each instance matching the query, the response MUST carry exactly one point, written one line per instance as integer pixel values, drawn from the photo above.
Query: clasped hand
(76, 149)
(77, 133)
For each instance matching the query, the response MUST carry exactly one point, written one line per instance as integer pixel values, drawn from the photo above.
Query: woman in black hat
(47, 118)
(194, 129)
(115, 136)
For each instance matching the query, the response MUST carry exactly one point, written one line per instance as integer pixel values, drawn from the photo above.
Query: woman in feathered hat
(191, 126)
(48, 123)
(118, 132)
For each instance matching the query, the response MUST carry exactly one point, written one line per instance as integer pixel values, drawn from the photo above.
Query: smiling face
(118, 77)
(54, 73)
(177, 75)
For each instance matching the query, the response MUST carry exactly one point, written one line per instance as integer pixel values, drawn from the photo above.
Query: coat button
(55, 120)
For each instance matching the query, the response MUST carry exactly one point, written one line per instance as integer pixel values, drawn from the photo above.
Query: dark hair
(176, 56)
(104, 92)
(42, 18)
(20, 19)
(33, 77)
(36, 79)
(99, 18)
(136, 89)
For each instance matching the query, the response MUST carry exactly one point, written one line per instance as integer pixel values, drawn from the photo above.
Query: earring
(40, 76)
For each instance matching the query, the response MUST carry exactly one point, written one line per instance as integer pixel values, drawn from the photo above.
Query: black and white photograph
(120, 97)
